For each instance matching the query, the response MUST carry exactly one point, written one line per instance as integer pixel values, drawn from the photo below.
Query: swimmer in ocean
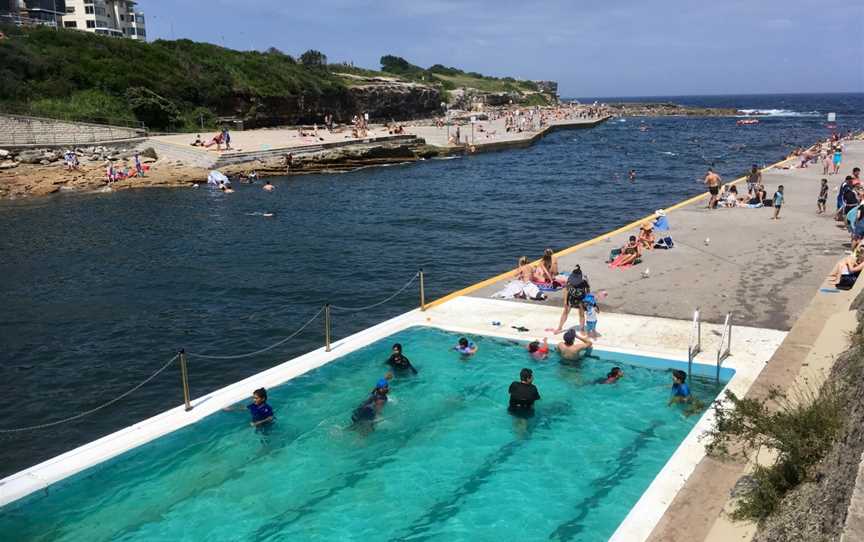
(466, 347)
(399, 362)
(267, 186)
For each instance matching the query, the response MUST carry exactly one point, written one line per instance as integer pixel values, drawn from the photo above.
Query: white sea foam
(669, 153)
(777, 113)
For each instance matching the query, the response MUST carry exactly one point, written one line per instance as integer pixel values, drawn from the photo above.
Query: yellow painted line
(585, 244)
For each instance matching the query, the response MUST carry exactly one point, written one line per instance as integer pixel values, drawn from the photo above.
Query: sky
(592, 48)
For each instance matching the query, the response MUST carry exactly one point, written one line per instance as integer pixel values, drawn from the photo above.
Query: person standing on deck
(712, 180)
(754, 179)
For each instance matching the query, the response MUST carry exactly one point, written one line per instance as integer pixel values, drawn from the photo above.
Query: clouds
(611, 47)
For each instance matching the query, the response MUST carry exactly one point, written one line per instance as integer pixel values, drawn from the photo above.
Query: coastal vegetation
(186, 85)
(810, 442)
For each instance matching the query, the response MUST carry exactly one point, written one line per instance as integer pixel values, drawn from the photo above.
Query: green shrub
(800, 430)
(84, 105)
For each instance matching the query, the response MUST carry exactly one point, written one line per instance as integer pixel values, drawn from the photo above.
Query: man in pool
(466, 347)
(523, 394)
(399, 362)
(680, 390)
(570, 349)
(372, 406)
(261, 412)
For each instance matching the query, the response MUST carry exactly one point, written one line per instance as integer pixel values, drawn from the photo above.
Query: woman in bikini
(629, 253)
(646, 238)
(525, 272)
(849, 265)
(547, 272)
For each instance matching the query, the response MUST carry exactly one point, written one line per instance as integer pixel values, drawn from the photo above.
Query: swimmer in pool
(680, 390)
(612, 376)
(539, 351)
(570, 349)
(523, 394)
(399, 362)
(372, 406)
(262, 413)
(466, 347)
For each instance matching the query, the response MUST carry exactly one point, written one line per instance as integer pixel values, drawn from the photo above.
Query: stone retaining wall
(20, 130)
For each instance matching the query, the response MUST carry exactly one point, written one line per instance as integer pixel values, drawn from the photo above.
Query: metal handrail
(694, 349)
(725, 348)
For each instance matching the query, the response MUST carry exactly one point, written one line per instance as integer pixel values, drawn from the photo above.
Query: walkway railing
(725, 348)
(695, 345)
(183, 356)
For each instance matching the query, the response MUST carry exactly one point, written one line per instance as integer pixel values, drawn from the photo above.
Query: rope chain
(402, 289)
(271, 347)
(92, 410)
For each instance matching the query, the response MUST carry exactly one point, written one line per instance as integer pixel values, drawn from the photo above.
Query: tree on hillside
(399, 66)
(313, 59)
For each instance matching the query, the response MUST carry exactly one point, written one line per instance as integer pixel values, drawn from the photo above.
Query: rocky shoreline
(41, 172)
(636, 109)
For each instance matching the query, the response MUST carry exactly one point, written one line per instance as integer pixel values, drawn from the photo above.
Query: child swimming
(466, 347)
(680, 390)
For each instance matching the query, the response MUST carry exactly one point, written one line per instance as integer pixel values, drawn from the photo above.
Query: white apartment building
(116, 18)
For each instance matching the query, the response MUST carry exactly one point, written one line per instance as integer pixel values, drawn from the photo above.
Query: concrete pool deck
(763, 271)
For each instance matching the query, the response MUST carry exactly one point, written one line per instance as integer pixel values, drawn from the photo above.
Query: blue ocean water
(99, 290)
(444, 462)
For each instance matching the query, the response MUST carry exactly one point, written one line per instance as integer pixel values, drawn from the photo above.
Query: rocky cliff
(382, 98)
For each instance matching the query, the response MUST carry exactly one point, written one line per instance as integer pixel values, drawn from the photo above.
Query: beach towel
(518, 289)
(215, 177)
(548, 287)
(616, 263)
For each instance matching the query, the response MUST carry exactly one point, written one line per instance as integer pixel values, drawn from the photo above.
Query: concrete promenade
(762, 271)
(252, 145)
(492, 134)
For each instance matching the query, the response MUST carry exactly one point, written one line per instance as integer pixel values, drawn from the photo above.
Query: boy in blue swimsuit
(261, 412)
(680, 390)
(778, 202)
(591, 311)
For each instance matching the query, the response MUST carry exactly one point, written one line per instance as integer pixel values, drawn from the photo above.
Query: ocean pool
(446, 461)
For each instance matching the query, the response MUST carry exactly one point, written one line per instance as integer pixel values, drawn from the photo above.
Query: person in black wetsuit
(399, 362)
(523, 394)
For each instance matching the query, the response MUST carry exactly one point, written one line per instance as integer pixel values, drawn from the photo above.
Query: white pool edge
(636, 526)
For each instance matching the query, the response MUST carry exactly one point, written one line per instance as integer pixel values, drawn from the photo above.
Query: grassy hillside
(164, 83)
(177, 84)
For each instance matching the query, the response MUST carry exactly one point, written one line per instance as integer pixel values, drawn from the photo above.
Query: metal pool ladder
(725, 348)
(695, 345)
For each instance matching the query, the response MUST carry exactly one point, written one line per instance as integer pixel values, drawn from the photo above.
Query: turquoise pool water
(446, 462)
